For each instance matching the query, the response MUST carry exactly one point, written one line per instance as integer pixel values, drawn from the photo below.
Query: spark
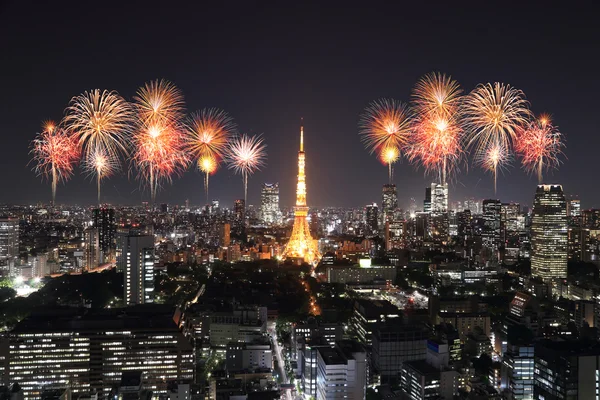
(55, 153)
(437, 143)
(494, 158)
(539, 144)
(101, 164)
(158, 139)
(389, 156)
(101, 121)
(246, 155)
(385, 123)
(207, 135)
(493, 114)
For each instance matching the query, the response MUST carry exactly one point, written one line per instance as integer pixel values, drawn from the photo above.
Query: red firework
(55, 153)
(539, 144)
(158, 154)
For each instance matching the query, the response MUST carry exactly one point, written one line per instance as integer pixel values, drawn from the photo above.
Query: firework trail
(437, 142)
(246, 155)
(207, 135)
(101, 121)
(493, 158)
(158, 139)
(539, 144)
(386, 124)
(493, 115)
(55, 153)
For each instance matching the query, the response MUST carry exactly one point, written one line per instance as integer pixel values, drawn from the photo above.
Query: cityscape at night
(299, 201)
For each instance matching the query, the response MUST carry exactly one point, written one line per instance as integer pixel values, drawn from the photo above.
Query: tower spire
(301, 134)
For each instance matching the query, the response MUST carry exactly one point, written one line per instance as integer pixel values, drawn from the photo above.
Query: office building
(138, 251)
(395, 344)
(249, 356)
(490, 235)
(371, 219)
(389, 202)
(9, 238)
(342, 371)
(104, 221)
(518, 370)
(574, 208)
(566, 370)
(427, 201)
(91, 350)
(239, 212)
(269, 203)
(92, 252)
(549, 233)
(369, 314)
(439, 198)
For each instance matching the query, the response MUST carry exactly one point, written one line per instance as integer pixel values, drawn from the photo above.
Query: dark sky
(270, 63)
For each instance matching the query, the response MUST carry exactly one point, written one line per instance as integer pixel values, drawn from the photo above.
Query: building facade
(269, 203)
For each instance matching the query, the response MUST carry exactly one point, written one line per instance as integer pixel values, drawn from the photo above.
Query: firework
(208, 133)
(493, 158)
(437, 133)
(539, 145)
(101, 164)
(100, 120)
(493, 114)
(55, 154)
(389, 156)
(158, 154)
(159, 102)
(158, 135)
(437, 95)
(386, 124)
(246, 155)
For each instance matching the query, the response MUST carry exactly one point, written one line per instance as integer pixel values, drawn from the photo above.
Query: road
(278, 350)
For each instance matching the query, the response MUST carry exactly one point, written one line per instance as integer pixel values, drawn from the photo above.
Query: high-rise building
(92, 251)
(427, 201)
(301, 244)
(439, 197)
(239, 212)
(549, 233)
(89, 350)
(139, 269)
(389, 202)
(371, 219)
(104, 221)
(9, 238)
(269, 203)
(490, 235)
(518, 367)
(342, 371)
(574, 208)
(509, 221)
(566, 370)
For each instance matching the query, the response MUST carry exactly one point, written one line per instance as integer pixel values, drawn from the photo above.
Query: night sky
(268, 65)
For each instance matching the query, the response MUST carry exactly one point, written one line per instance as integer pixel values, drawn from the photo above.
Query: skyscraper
(549, 234)
(301, 244)
(389, 201)
(371, 219)
(490, 235)
(269, 203)
(139, 269)
(9, 238)
(104, 221)
(439, 197)
(427, 201)
(92, 251)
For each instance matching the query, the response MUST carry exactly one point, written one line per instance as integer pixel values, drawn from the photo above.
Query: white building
(269, 203)
(342, 372)
(138, 251)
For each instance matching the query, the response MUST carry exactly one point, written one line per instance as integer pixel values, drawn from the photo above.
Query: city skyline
(328, 90)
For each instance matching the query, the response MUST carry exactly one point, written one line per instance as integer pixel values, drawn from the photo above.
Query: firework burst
(159, 102)
(55, 154)
(158, 155)
(493, 114)
(158, 138)
(437, 131)
(386, 124)
(246, 155)
(493, 159)
(100, 164)
(100, 120)
(388, 156)
(208, 133)
(539, 144)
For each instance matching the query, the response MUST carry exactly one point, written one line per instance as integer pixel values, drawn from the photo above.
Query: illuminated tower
(301, 244)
